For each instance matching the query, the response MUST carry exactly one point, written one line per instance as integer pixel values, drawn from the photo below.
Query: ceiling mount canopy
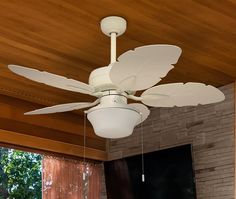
(134, 70)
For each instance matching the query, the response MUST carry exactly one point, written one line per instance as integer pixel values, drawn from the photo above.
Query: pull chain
(84, 148)
(142, 155)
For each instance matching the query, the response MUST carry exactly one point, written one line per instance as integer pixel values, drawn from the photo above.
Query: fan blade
(180, 94)
(142, 109)
(52, 79)
(144, 66)
(62, 108)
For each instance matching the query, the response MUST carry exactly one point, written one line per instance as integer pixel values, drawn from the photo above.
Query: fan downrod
(113, 24)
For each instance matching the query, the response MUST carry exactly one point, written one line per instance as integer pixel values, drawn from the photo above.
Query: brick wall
(210, 130)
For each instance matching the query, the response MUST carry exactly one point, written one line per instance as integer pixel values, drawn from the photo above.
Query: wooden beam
(50, 145)
(12, 108)
(57, 135)
(66, 128)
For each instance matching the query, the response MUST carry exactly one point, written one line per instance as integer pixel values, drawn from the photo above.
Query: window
(25, 175)
(20, 174)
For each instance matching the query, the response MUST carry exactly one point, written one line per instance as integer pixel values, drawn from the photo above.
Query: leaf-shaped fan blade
(142, 109)
(52, 79)
(144, 66)
(62, 108)
(180, 94)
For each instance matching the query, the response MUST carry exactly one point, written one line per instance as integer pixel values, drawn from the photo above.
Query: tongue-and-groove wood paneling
(64, 37)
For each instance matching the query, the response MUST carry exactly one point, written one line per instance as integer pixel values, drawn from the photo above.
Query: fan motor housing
(100, 79)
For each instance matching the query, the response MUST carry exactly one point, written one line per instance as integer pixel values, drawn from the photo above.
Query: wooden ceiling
(64, 37)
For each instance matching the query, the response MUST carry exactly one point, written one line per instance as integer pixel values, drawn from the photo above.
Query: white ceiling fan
(135, 70)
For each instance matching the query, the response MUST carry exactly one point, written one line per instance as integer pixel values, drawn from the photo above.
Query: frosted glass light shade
(113, 122)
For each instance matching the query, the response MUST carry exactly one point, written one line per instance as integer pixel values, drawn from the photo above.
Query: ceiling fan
(135, 70)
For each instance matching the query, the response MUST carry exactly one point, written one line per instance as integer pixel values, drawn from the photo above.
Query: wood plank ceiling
(64, 37)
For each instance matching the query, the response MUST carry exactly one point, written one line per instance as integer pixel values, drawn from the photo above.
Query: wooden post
(235, 139)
